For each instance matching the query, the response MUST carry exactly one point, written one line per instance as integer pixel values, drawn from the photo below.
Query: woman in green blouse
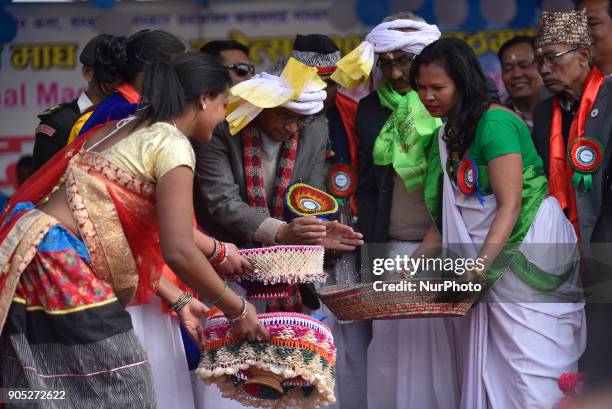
(487, 192)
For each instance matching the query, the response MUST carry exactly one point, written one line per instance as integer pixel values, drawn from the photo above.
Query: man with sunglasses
(572, 133)
(234, 55)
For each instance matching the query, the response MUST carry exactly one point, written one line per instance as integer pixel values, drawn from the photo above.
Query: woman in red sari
(94, 229)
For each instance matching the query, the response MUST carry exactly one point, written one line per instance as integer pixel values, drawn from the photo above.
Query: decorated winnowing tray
(296, 368)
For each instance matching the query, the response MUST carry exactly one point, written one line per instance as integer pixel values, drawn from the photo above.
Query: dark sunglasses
(242, 69)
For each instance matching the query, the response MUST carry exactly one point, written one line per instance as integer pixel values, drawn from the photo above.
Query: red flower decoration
(568, 382)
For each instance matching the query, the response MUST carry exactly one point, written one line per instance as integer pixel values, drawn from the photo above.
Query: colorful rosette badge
(304, 200)
(467, 179)
(585, 156)
(342, 181)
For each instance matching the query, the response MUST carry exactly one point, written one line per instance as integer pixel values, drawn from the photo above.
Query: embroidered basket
(285, 264)
(295, 368)
(362, 302)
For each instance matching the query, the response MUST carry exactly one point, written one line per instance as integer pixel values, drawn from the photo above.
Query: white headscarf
(309, 102)
(386, 37)
(357, 65)
(298, 89)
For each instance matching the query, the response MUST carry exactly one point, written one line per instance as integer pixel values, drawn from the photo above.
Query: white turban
(298, 89)
(309, 102)
(357, 65)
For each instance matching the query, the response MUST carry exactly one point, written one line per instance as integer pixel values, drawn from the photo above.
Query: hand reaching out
(235, 264)
(191, 317)
(340, 237)
(301, 230)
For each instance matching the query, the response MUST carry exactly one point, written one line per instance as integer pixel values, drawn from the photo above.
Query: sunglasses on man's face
(242, 69)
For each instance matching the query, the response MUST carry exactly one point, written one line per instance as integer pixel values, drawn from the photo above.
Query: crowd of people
(148, 184)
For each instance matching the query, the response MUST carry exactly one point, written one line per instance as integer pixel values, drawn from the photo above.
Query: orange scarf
(560, 171)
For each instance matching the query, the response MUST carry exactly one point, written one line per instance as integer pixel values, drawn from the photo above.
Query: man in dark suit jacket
(563, 60)
(221, 197)
(565, 70)
(224, 206)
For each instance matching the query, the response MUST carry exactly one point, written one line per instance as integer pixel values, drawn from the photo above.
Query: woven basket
(285, 264)
(362, 302)
(296, 368)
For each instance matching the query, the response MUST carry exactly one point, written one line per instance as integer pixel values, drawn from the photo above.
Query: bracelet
(181, 302)
(219, 254)
(243, 314)
(219, 298)
(216, 249)
(227, 253)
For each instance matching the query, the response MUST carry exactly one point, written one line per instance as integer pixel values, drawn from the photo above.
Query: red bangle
(219, 254)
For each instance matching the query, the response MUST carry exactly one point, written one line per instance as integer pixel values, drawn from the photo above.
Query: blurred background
(40, 41)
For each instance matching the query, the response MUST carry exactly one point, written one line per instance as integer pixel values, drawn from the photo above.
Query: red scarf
(347, 108)
(39, 185)
(129, 93)
(560, 171)
(253, 171)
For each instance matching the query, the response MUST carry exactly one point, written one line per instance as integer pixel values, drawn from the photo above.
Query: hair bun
(111, 52)
(110, 57)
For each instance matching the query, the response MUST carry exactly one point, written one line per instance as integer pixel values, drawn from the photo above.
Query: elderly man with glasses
(572, 133)
(572, 128)
(242, 175)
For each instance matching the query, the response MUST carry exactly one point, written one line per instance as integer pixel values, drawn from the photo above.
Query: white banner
(40, 67)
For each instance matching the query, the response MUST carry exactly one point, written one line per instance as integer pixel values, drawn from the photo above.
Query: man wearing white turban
(410, 363)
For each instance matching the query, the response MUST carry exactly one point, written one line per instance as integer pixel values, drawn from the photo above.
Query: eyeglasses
(242, 69)
(301, 122)
(551, 58)
(402, 63)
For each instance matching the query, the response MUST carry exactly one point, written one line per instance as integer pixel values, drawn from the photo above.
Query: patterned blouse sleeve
(167, 149)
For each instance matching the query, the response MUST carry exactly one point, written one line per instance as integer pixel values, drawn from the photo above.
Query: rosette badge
(304, 200)
(467, 179)
(342, 181)
(585, 156)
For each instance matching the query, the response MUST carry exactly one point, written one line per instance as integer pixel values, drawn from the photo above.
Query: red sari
(62, 298)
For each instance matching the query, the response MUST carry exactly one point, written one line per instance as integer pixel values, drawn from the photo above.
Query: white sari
(160, 335)
(514, 352)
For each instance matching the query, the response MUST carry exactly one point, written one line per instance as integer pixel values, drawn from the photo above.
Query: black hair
(169, 87)
(318, 43)
(149, 47)
(25, 161)
(215, 47)
(515, 41)
(474, 93)
(106, 54)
